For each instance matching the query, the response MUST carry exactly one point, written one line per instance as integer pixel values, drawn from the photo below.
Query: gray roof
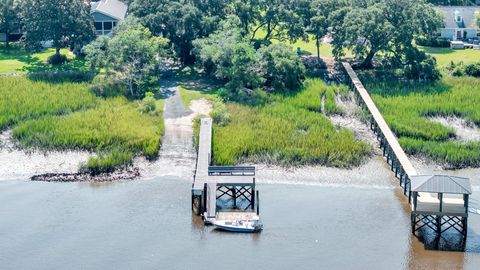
(468, 14)
(113, 8)
(441, 184)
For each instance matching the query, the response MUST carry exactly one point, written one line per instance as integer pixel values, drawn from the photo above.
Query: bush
(220, 114)
(105, 87)
(57, 59)
(433, 42)
(147, 105)
(458, 71)
(473, 70)
(421, 66)
(282, 68)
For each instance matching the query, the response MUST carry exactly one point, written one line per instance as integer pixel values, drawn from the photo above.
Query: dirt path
(177, 154)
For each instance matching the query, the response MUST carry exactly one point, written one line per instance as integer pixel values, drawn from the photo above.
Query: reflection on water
(148, 224)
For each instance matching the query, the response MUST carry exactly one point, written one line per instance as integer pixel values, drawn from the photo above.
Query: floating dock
(219, 192)
(430, 209)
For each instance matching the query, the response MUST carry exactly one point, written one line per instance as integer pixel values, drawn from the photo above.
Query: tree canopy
(388, 27)
(9, 17)
(65, 22)
(181, 21)
(131, 56)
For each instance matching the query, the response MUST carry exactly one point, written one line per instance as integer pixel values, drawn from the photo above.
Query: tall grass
(114, 122)
(23, 99)
(406, 107)
(290, 130)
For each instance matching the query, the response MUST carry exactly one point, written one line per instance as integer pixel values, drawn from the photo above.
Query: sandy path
(177, 154)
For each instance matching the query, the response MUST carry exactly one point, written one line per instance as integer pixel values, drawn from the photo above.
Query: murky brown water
(147, 224)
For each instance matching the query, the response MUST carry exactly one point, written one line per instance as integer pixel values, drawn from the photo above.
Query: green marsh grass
(23, 99)
(114, 122)
(288, 130)
(406, 108)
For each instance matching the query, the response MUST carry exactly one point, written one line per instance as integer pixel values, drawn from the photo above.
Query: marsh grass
(61, 116)
(289, 130)
(406, 108)
(114, 122)
(23, 99)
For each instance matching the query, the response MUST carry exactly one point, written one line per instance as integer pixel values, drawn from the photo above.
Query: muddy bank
(464, 131)
(124, 174)
(19, 164)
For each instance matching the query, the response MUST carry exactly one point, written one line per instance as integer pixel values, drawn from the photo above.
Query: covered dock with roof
(440, 202)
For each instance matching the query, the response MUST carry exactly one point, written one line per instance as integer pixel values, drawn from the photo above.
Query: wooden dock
(214, 183)
(437, 213)
(392, 150)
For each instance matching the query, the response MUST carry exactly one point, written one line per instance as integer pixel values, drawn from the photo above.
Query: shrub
(433, 42)
(282, 68)
(421, 66)
(147, 105)
(473, 70)
(220, 114)
(57, 59)
(458, 71)
(106, 86)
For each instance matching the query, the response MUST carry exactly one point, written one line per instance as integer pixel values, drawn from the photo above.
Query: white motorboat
(244, 226)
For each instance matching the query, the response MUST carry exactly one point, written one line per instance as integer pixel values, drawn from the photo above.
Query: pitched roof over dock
(441, 184)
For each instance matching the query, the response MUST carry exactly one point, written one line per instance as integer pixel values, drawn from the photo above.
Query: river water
(147, 224)
(314, 218)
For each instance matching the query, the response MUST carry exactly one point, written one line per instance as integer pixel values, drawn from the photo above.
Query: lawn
(406, 107)
(17, 61)
(57, 116)
(445, 56)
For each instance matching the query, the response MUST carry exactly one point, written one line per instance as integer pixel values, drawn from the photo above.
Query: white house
(106, 15)
(460, 22)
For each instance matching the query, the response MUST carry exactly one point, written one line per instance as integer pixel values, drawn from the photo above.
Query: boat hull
(237, 229)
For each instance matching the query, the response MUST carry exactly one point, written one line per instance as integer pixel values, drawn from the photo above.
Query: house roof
(468, 14)
(113, 8)
(441, 184)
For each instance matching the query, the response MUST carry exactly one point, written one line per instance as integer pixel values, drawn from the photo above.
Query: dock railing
(396, 157)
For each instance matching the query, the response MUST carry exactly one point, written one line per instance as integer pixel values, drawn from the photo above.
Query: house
(106, 15)
(460, 22)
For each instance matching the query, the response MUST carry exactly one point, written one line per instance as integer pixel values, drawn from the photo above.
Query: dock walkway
(212, 183)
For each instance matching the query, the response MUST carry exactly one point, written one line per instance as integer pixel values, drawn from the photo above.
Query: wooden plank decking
(378, 118)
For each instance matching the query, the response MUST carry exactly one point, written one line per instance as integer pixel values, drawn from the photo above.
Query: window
(458, 18)
(107, 25)
(98, 26)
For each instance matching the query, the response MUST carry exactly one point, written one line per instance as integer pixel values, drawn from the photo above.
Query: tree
(65, 22)
(318, 19)
(478, 19)
(230, 57)
(9, 18)
(369, 27)
(278, 19)
(181, 21)
(281, 67)
(130, 56)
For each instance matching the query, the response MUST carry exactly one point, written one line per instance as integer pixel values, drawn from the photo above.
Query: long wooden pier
(429, 208)
(214, 183)
(392, 150)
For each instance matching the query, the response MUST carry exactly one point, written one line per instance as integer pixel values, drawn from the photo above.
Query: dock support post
(234, 196)
(253, 195)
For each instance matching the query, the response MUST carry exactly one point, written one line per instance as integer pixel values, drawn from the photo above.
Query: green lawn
(406, 108)
(68, 116)
(446, 55)
(17, 61)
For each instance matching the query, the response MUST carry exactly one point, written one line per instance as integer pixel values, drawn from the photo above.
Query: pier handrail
(231, 170)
